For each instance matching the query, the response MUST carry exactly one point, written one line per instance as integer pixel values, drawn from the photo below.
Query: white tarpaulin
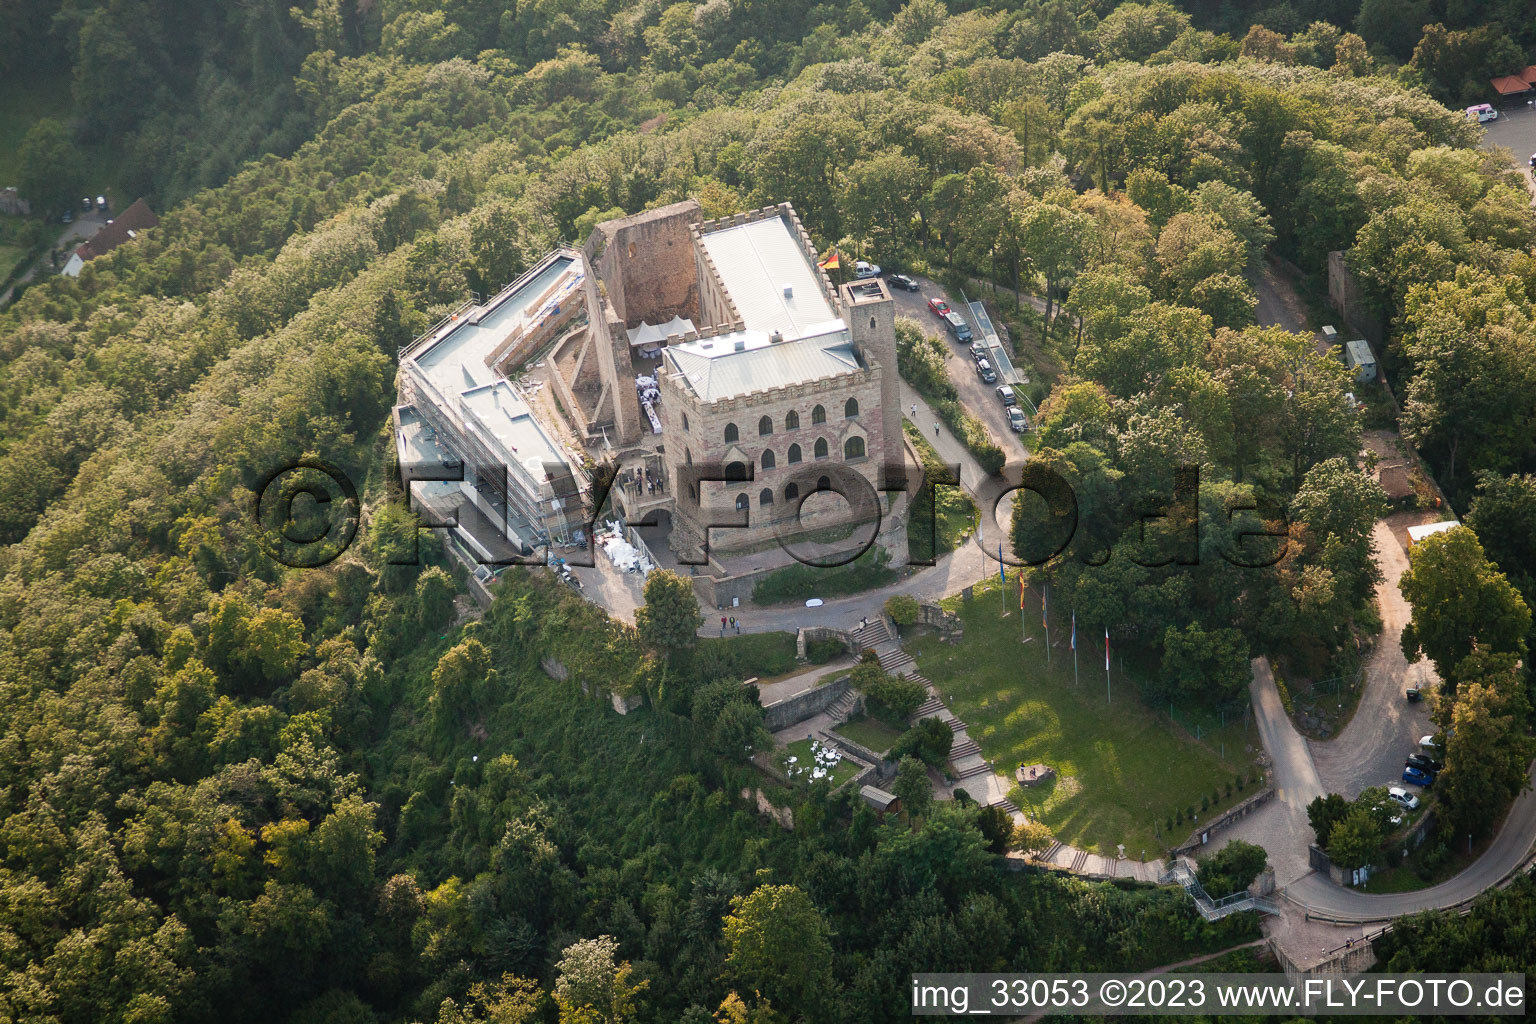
(657, 334)
(625, 556)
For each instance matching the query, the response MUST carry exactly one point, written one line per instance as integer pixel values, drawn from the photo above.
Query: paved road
(979, 398)
(1319, 896)
(1369, 751)
(1515, 130)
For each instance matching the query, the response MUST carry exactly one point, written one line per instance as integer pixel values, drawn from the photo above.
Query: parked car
(101, 204)
(958, 327)
(1415, 777)
(1428, 744)
(1005, 392)
(1016, 419)
(1482, 113)
(69, 217)
(1403, 797)
(938, 307)
(984, 368)
(1414, 694)
(978, 350)
(901, 281)
(863, 271)
(1424, 763)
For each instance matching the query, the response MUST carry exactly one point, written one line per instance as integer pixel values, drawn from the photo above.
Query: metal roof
(758, 262)
(716, 368)
(455, 360)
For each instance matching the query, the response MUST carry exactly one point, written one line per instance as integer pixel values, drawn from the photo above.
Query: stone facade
(639, 269)
(801, 458)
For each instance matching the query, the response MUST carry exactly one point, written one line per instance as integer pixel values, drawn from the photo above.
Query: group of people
(636, 480)
(734, 623)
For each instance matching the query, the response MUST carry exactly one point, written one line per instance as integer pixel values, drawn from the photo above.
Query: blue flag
(1002, 574)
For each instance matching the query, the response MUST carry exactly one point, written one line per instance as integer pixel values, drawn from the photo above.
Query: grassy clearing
(799, 582)
(10, 255)
(948, 509)
(1123, 770)
(869, 732)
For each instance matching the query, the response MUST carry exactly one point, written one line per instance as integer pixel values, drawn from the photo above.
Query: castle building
(714, 361)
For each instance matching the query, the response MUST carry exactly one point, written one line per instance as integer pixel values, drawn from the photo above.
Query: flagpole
(1023, 632)
(1109, 696)
(1074, 648)
(1045, 620)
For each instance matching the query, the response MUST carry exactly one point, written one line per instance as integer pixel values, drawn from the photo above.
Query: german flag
(831, 262)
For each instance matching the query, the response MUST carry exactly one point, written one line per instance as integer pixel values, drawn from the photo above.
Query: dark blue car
(1416, 776)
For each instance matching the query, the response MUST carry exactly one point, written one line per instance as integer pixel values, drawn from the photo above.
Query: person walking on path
(935, 430)
(914, 410)
(722, 625)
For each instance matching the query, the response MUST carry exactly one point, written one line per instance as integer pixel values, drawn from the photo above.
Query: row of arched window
(853, 448)
(791, 492)
(791, 421)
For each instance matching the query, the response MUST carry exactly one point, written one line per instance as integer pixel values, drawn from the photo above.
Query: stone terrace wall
(793, 710)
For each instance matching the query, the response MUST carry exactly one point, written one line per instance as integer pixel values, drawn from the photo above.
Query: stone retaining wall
(793, 710)
(1200, 836)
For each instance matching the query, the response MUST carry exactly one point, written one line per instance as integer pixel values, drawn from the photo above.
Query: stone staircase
(872, 634)
(844, 706)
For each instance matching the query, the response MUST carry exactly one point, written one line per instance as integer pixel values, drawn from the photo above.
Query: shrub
(1232, 869)
(929, 741)
(902, 608)
(819, 652)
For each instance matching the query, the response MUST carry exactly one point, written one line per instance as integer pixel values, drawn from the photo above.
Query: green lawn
(1122, 769)
(869, 732)
(953, 515)
(10, 255)
(801, 749)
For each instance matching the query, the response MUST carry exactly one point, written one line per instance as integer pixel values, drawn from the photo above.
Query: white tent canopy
(657, 334)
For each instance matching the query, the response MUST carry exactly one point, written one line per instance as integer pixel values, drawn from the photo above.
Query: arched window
(851, 408)
(794, 454)
(741, 502)
(853, 448)
(768, 459)
(766, 498)
(818, 415)
(765, 426)
(685, 421)
(791, 420)
(821, 448)
(736, 471)
(791, 492)
(687, 457)
(823, 484)
(730, 433)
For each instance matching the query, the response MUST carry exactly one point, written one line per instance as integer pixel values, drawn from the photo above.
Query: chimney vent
(789, 291)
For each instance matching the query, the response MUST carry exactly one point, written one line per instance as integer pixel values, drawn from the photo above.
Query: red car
(938, 307)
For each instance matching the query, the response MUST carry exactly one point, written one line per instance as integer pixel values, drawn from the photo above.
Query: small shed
(884, 803)
(1418, 533)
(1361, 359)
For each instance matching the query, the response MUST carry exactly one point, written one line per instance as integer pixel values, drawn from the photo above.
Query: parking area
(976, 396)
(1516, 131)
